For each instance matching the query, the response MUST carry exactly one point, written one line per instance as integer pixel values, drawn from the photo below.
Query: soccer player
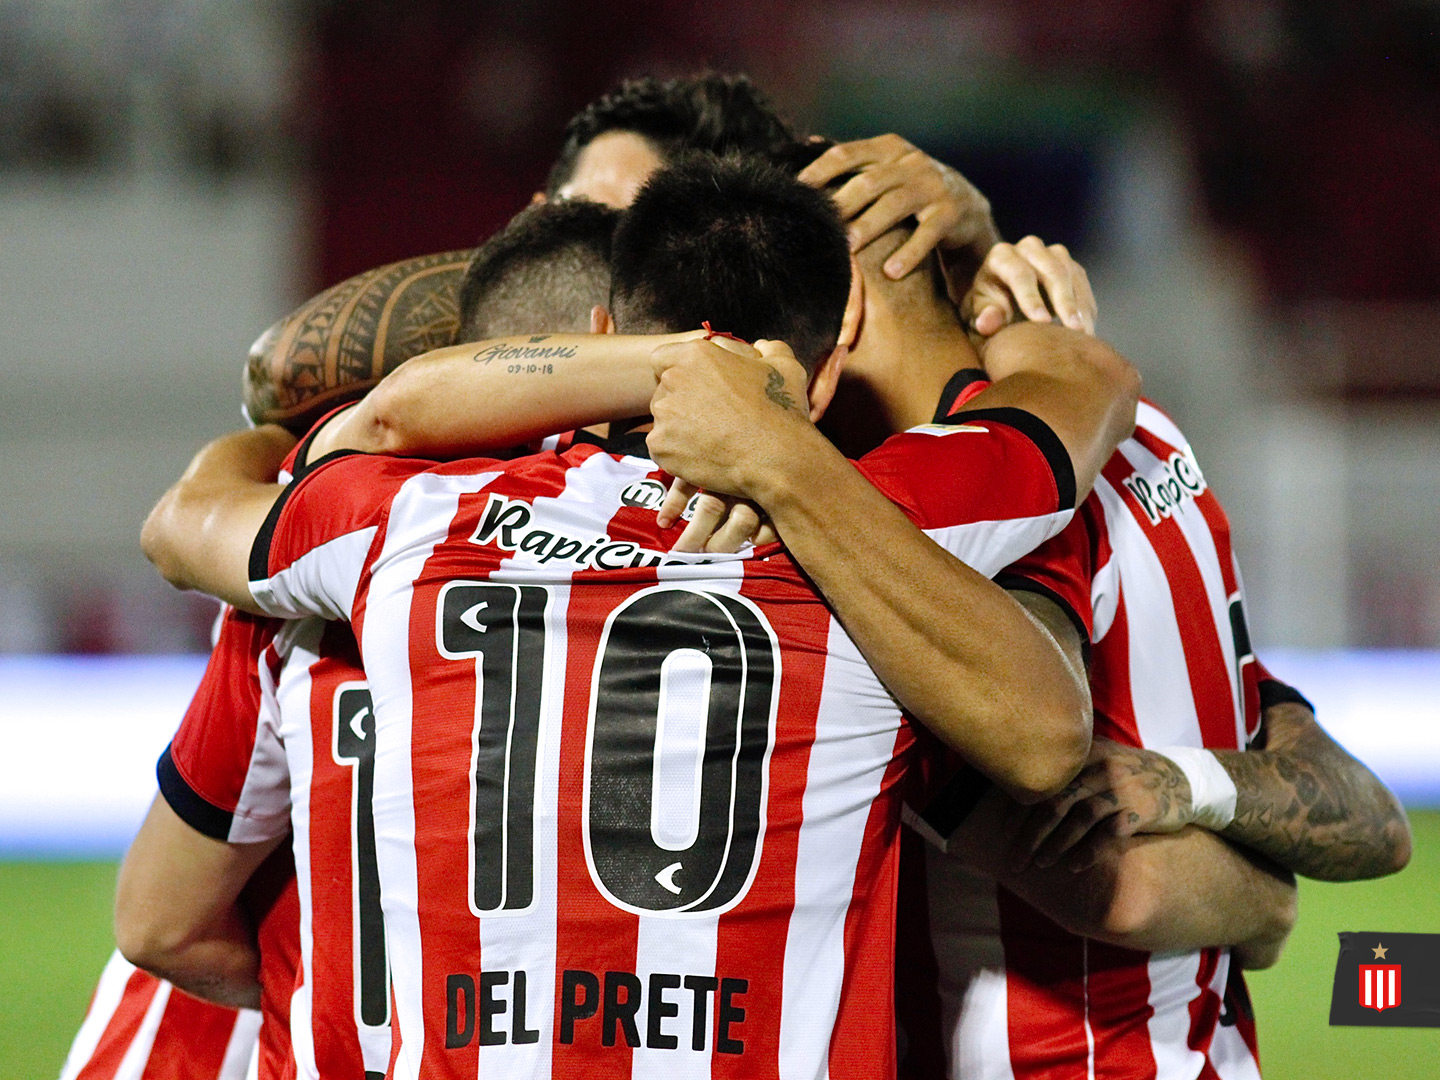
(806, 965)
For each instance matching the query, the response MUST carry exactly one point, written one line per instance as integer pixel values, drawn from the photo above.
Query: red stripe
(1045, 994)
(1119, 990)
(332, 901)
(1205, 1011)
(124, 1024)
(862, 1045)
(1199, 636)
(191, 1040)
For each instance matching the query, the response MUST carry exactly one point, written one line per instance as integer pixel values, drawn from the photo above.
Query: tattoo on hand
(776, 392)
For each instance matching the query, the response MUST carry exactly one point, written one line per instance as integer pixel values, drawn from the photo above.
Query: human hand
(895, 181)
(1121, 791)
(1019, 279)
(717, 523)
(727, 422)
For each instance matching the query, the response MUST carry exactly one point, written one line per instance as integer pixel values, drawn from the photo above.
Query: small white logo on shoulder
(1160, 491)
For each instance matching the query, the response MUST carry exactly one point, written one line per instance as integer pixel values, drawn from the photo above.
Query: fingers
(709, 512)
(1010, 266)
(935, 223)
(847, 157)
(739, 526)
(1053, 265)
(1044, 818)
(1084, 818)
(780, 357)
(1089, 309)
(676, 499)
(766, 534)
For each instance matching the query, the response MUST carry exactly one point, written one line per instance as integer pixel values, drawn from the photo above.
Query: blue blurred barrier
(81, 735)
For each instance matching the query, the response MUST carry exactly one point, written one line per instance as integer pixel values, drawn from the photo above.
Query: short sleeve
(989, 490)
(310, 554)
(224, 773)
(1061, 569)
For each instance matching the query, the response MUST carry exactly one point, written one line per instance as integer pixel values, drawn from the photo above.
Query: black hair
(738, 242)
(544, 270)
(708, 111)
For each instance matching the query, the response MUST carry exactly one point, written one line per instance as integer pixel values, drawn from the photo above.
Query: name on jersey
(1160, 496)
(605, 1006)
(509, 524)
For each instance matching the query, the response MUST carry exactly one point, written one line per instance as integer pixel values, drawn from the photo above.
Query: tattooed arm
(1301, 801)
(340, 343)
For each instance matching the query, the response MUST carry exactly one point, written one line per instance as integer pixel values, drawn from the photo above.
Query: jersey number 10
(661, 649)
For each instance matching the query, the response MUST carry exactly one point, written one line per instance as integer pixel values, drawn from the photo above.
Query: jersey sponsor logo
(645, 494)
(613, 1005)
(1160, 495)
(507, 523)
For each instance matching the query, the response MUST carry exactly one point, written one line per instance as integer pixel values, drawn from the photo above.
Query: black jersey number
(727, 648)
(355, 746)
(733, 652)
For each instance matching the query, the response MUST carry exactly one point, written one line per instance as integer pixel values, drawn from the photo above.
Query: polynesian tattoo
(340, 343)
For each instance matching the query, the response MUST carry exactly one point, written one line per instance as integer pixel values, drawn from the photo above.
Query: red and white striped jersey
(1149, 555)
(140, 1026)
(634, 811)
(299, 757)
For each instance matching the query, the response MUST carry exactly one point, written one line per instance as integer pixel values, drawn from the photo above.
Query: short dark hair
(707, 111)
(544, 270)
(738, 242)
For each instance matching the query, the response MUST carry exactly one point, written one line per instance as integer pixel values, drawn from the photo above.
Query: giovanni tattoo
(776, 392)
(525, 352)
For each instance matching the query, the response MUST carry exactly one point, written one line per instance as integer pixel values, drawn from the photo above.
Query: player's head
(737, 242)
(919, 303)
(545, 270)
(613, 144)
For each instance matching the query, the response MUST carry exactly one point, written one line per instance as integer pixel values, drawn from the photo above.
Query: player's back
(1170, 665)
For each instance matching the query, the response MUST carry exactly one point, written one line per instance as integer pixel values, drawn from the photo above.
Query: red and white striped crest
(1379, 986)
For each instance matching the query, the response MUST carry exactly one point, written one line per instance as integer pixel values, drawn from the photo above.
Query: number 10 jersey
(634, 812)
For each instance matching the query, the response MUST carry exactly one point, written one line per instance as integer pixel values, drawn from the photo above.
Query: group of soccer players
(576, 679)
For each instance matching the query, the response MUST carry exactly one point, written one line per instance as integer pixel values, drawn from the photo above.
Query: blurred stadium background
(1252, 184)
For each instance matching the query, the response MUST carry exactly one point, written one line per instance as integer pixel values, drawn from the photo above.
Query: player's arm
(1302, 801)
(1185, 890)
(465, 399)
(177, 911)
(1082, 388)
(200, 533)
(1180, 891)
(957, 651)
(340, 343)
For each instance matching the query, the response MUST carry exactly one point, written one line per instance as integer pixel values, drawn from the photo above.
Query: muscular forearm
(342, 342)
(1180, 891)
(956, 650)
(467, 399)
(1306, 803)
(221, 965)
(1077, 384)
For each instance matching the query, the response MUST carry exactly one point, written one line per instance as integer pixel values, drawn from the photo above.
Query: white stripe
(320, 582)
(243, 1049)
(855, 734)
(1159, 677)
(1172, 988)
(108, 994)
(299, 643)
(1394, 1000)
(132, 1065)
(1151, 419)
(990, 546)
(420, 516)
(1230, 1056)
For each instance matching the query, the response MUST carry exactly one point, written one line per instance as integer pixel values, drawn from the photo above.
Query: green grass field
(55, 937)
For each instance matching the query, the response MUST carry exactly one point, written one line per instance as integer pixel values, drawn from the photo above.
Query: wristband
(1212, 792)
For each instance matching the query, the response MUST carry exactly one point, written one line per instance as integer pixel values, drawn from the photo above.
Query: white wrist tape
(1212, 792)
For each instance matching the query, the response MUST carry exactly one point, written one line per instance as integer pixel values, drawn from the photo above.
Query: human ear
(825, 380)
